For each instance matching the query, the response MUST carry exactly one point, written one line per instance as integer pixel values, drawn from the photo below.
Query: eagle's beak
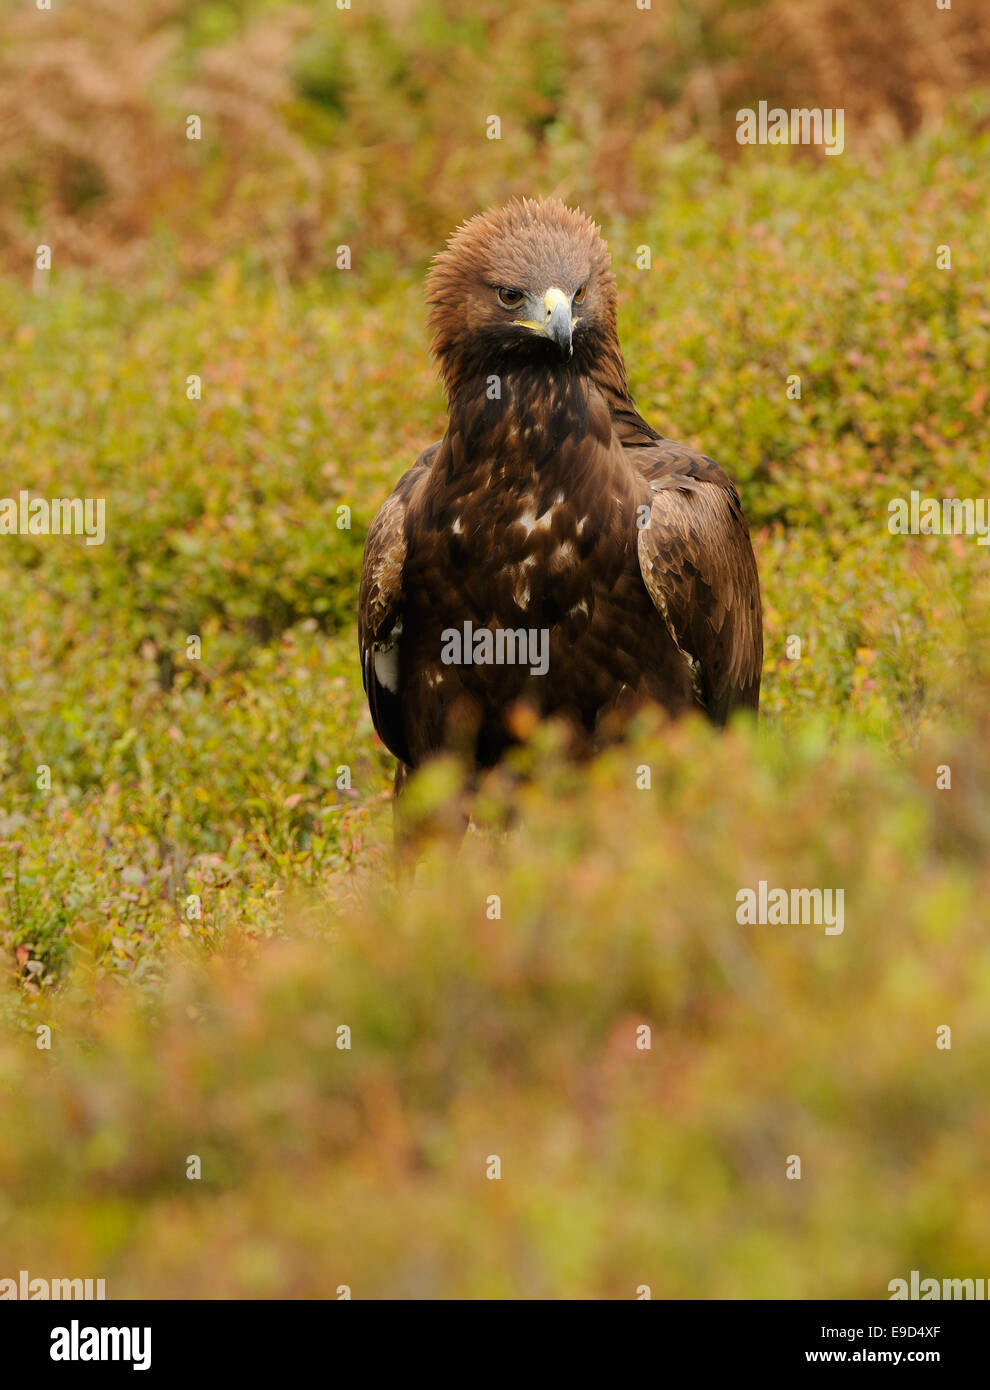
(557, 322)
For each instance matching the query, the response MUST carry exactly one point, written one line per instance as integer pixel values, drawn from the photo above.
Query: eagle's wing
(381, 604)
(699, 569)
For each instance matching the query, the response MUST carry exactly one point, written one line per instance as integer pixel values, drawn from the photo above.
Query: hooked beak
(557, 324)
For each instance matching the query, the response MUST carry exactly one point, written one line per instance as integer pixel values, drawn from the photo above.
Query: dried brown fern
(93, 102)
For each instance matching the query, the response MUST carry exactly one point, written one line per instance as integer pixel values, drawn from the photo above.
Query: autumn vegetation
(248, 780)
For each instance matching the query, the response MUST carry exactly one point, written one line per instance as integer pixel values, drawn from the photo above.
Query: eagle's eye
(509, 299)
(580, 294)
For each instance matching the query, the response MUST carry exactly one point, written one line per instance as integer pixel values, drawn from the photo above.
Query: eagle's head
(530, 283)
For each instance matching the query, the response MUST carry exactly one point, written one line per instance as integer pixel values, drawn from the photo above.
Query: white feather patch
(387, 667)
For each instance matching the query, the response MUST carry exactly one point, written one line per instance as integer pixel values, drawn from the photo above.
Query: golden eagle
(552, 550)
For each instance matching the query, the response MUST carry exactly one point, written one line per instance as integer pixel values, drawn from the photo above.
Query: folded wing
(381, 606)
(698, 566)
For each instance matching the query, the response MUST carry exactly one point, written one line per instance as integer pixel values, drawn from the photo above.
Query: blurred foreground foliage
(472, 1036)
